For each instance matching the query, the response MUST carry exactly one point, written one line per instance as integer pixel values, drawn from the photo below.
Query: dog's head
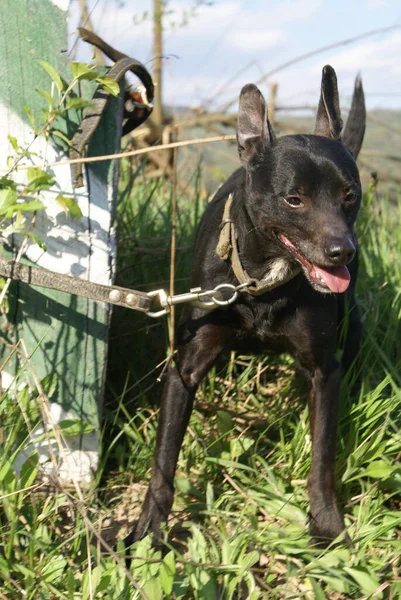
(303, 192)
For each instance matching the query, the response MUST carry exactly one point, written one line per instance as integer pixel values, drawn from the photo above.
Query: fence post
(272, 102)
(65, 336)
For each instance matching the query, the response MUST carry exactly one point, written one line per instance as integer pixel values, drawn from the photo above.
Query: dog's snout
(340, 251)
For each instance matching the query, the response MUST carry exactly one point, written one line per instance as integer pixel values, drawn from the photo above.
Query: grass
(238, 528)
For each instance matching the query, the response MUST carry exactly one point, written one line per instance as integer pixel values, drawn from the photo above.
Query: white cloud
(291, 11)
(375, 4)
(370, 55)
(255, 40)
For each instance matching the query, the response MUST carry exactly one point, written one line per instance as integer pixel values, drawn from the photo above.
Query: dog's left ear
(253, 125)
(328, 119)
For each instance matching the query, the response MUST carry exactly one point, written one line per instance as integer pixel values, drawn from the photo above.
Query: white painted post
(65, 335)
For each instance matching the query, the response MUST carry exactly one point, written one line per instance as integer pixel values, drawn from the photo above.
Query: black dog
(283, 225)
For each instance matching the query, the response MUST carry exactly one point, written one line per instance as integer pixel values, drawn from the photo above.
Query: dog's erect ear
(253, 125)
(328, 119)
(355, 128)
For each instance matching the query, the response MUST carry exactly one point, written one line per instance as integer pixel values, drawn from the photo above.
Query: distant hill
(382, 140)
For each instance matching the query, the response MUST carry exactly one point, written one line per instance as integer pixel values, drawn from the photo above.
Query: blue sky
(206, 54)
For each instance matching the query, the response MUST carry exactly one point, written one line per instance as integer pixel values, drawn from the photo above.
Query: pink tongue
(337, 278)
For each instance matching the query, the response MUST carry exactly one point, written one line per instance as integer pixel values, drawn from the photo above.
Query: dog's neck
(259, 254)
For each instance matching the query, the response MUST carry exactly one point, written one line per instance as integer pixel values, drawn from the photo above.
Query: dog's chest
(263, 325)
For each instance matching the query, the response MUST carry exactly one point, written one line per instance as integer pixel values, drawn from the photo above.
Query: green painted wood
(32, 30)
(65, 334)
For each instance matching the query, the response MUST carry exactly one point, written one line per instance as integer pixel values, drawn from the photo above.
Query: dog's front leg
(326, 521)
(194, 360)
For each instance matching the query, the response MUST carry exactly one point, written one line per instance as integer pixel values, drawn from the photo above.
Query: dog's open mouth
(333, 279)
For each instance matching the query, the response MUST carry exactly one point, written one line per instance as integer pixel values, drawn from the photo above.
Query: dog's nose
(340, 251)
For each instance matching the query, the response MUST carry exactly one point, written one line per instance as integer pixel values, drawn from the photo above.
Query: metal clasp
(162, 297)
(209, 299)
(216, 297)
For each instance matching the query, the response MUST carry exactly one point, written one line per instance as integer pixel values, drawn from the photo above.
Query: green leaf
(184, 486)
(13, 142)
(153, 589)
(328, 560)
(225, 421)
(71, 583)
(29, 404)
(6, 182)
(240, 445)
(29, 470)
(47, 96)
(68, 427)
(40, 184)
(82, 71)
(7, 479)
(5, 304)
(79, 103)
(249, 560)
(75, 427)
(167, 573)
(18, 225)
(225, 462)
(8, 198)
(110, 85)
(53, 74)
(25, 571)
(30, 206)
(49, 384)
(61, 135)
(85, 585)
(96, 577)
(39, 180)
(54, 569)
(317, 590)
(337, 583)
(378, 469)
(30, 116)
(19, 209)
(69, 206)
(104, 582)
(393, 482)
(209, 496)
(37, 241)
(367, 582)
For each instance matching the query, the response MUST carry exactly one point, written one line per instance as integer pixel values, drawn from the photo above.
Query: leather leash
(72, 285)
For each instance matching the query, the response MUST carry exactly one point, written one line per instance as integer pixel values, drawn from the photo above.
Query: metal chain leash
(209, 299)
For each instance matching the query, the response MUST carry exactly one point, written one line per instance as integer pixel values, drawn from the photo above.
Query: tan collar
(227, 249)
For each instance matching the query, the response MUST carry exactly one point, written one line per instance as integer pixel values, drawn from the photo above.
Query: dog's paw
(149, 523)
(142, 528)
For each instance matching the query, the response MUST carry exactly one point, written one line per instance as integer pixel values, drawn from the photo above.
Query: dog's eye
(293, 201)
(349, 199)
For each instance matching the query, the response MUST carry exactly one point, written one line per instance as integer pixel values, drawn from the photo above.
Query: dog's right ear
(253, 125)
(328, 119)
(354, 131)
